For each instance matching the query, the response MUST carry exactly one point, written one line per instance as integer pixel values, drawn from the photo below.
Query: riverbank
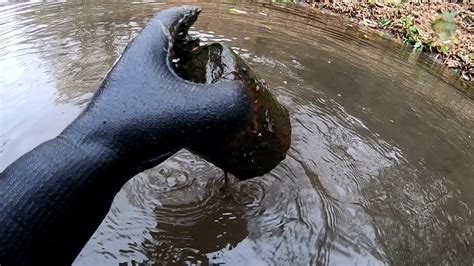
(443, 30)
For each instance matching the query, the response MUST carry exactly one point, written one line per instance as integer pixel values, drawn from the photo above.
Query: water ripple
(378, 171)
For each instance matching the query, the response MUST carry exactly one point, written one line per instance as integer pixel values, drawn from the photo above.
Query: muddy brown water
(381, 165)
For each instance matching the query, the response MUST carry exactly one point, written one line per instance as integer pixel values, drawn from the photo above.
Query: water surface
(381, 165)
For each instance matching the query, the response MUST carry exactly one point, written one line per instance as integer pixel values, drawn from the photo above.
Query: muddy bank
(445, 31)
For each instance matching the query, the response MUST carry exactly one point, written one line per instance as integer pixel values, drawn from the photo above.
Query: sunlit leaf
(236, 11)
(408, 22)
(444, 49)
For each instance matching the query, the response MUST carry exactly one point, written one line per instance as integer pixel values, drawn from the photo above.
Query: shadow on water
(380, 168)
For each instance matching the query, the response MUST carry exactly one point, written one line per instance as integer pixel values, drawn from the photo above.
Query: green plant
(411, 34)
(445, 27)
(384, 22)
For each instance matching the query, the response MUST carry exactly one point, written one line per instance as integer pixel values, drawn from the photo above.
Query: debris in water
(236, 11)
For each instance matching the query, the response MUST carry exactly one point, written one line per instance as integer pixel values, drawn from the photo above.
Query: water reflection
(378, 172)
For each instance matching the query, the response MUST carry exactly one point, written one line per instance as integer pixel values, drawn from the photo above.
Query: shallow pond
(381, 165)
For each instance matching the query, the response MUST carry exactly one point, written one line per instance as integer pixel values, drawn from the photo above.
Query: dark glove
(53, 198)
(143, 109)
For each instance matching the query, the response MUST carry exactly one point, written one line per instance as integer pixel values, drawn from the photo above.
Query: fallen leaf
(236, 11)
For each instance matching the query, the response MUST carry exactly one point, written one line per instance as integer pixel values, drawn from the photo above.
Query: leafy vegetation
(444, 30)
